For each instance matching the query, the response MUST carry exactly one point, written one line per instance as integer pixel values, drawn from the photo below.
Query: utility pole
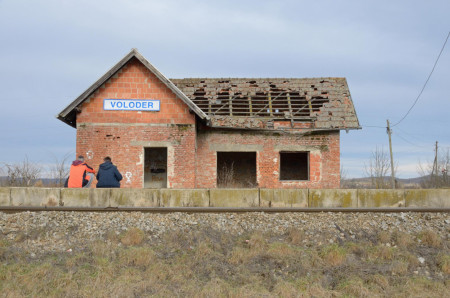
(392, 157)
(435, 172)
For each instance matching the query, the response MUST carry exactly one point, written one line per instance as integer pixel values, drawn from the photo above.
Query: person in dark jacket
(108, 176)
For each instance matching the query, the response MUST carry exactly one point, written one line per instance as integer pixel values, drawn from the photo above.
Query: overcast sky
(51, 51)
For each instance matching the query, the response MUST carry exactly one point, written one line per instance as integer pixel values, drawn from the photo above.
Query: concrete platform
(225, 198)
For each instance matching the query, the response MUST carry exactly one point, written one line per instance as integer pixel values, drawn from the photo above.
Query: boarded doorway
(155, 168)
(236, 169)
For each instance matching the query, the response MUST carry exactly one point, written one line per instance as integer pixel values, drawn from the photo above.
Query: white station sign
(131, 105)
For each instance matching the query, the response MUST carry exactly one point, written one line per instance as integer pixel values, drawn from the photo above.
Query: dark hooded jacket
(108, 176)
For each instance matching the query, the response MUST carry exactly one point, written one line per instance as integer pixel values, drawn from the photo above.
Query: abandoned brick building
(207, 133)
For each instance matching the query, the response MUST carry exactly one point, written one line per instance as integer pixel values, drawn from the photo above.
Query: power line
(426, 82)
(373, 126)
(411, 135)
(411, 143)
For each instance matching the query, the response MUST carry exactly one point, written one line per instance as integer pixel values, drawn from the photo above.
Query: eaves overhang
(68, 114)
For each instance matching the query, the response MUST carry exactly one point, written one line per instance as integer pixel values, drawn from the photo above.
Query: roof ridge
(64, 115)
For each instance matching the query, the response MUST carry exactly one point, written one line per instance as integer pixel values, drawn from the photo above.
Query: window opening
(294, 166)
(236, 169)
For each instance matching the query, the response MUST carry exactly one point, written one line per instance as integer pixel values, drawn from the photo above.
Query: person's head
(107, 159)
(80, 158)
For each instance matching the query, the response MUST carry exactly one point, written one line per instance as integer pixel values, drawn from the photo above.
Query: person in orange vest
(81, 175)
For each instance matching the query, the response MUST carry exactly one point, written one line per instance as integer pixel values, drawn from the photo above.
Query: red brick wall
(323, 147)
(123, 134)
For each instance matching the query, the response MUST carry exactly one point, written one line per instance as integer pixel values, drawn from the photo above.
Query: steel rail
(15, 209)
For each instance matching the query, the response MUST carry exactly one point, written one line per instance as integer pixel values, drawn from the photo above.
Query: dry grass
(409, 258)
(216, 288)
(208, 263)
(333, 254)
(444, 263)
(384, 237)
(354, 287)
(430, 238)
(133, 236)
(422, 287)
(285, 289)
(403, 240)
(257, 242)
(380, 281)
(296, 236)
(399, 267)
(282, 251)
(384, 253)
(137, 256)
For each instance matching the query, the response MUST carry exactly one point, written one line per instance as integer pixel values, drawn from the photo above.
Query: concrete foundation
(346, 198)
(31, 196)
(439, 198)
(270, 198)
(234, 197)
(285, 198)
(81, 197)
(372, 198)
(184, 198)
(5, 196)
(134, 197)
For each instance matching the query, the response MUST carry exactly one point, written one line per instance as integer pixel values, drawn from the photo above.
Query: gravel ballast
(47, 232)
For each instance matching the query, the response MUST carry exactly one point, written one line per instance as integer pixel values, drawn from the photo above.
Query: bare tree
(3, 177)
(343, 175)
(436, 176)
(377, 169)
(60, 169)
(24, 173)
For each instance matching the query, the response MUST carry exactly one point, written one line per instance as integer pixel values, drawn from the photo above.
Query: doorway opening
(236, 169)
(155, 167)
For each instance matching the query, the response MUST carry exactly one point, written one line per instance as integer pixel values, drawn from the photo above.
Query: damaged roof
(268, 103)
(246, 103)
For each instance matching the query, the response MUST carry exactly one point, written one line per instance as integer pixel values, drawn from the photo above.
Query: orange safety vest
(78, 175)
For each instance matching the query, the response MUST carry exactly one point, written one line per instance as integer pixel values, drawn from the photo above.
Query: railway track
(16, 209)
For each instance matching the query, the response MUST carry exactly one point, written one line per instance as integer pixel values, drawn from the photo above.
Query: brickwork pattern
(191, 162)
(135, 81)
(123, 134)
(324, 157)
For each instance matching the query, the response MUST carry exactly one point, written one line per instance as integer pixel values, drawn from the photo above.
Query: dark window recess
(236, 169)
(294, 166)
